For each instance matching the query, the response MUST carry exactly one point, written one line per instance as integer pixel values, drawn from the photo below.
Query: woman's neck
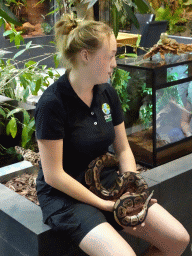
(80, 82)
(81, 87)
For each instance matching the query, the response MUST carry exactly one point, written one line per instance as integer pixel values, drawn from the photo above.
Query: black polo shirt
(87, 132)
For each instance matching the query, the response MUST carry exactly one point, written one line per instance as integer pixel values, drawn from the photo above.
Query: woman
(77, 118)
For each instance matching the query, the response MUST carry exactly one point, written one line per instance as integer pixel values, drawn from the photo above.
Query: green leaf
(50, 73)
(56, 60)
(28, 45)
(36, 46)
(189, 2)
(8, 32)
(31, 125)
(56, 10)
(23, 81)
(2, 124)
(30, 63)
(26, 117)
(17, 41)
(2, 112)
(138, 41)
(14, 111)
(12, 127)
(132, 55)
(32, 87)
(11, 37)
(26, 93)
(24, 136)
(7, 17)
(1, 21)
(38, 86)
(131, 15)
(44, 67)
(19, 53)
(115, 20)
(142, 6)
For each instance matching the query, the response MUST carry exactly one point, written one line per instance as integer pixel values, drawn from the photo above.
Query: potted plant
(17, 123)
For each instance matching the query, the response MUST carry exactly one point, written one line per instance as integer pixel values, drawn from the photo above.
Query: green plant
(146, 113)
(173, 18)
(14, 35)
(19, 83)
(7, 15)
(46, 27)
(119, 82)
(9, 120)
(16, 6)
(146, 110)
(121, 10)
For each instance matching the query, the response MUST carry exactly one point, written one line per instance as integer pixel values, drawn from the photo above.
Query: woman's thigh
(162, 230)
(105, 240)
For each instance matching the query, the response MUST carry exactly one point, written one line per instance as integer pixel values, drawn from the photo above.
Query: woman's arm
(123, 150)
(51, 153)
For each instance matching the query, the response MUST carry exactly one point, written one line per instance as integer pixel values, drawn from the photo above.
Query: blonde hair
(73, 35)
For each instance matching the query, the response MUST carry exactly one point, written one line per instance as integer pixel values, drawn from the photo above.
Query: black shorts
(77, 220)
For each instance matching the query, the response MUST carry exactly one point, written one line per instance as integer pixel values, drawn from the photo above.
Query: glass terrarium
(32, 14)
(158, 118)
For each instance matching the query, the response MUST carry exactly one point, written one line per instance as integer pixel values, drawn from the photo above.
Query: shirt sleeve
(117, 112)
(49, 118)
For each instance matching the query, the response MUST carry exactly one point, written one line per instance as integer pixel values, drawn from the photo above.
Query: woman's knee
(182, 242)
(163, 231)
(105, 240)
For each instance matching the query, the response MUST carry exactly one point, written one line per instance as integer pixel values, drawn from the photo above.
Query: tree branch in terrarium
(180, 107)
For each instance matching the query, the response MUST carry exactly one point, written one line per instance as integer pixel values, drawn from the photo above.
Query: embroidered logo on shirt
(106, 110)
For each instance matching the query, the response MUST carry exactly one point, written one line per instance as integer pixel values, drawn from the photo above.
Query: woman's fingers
(153, 201)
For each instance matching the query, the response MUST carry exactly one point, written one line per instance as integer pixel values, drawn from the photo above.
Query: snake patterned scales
(129, 191)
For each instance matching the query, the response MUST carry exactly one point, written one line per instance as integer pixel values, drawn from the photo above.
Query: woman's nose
(114, 63)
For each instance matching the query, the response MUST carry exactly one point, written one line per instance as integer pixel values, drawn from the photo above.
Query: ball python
(28, 155)
(129, 191)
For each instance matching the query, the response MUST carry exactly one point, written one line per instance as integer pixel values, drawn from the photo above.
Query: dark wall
(36, 54)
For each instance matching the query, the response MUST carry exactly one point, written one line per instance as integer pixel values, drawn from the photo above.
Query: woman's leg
(163, 231)
(104, 240)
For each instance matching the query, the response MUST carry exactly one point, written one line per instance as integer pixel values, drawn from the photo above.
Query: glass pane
(33, 16)
(138, 118)
(173, 110)
(176, 73)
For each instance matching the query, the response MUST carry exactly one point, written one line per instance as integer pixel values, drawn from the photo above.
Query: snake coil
(129, 191)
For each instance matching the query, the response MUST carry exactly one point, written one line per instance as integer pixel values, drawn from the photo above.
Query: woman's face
(103, 62)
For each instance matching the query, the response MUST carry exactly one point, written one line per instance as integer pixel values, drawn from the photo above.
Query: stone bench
(22, 231)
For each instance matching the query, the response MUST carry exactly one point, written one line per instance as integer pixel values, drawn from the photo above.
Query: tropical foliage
(118, 7)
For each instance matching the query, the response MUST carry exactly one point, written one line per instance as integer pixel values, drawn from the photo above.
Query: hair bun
(66, 26)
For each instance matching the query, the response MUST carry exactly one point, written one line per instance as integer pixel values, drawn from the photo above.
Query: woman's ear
(84, 55)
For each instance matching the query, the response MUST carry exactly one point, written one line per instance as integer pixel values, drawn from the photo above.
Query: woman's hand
(152, 201)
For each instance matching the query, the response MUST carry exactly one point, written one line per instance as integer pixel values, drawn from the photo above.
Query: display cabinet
(158, 120)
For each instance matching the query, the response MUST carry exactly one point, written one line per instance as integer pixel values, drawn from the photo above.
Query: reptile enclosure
(153, 121)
